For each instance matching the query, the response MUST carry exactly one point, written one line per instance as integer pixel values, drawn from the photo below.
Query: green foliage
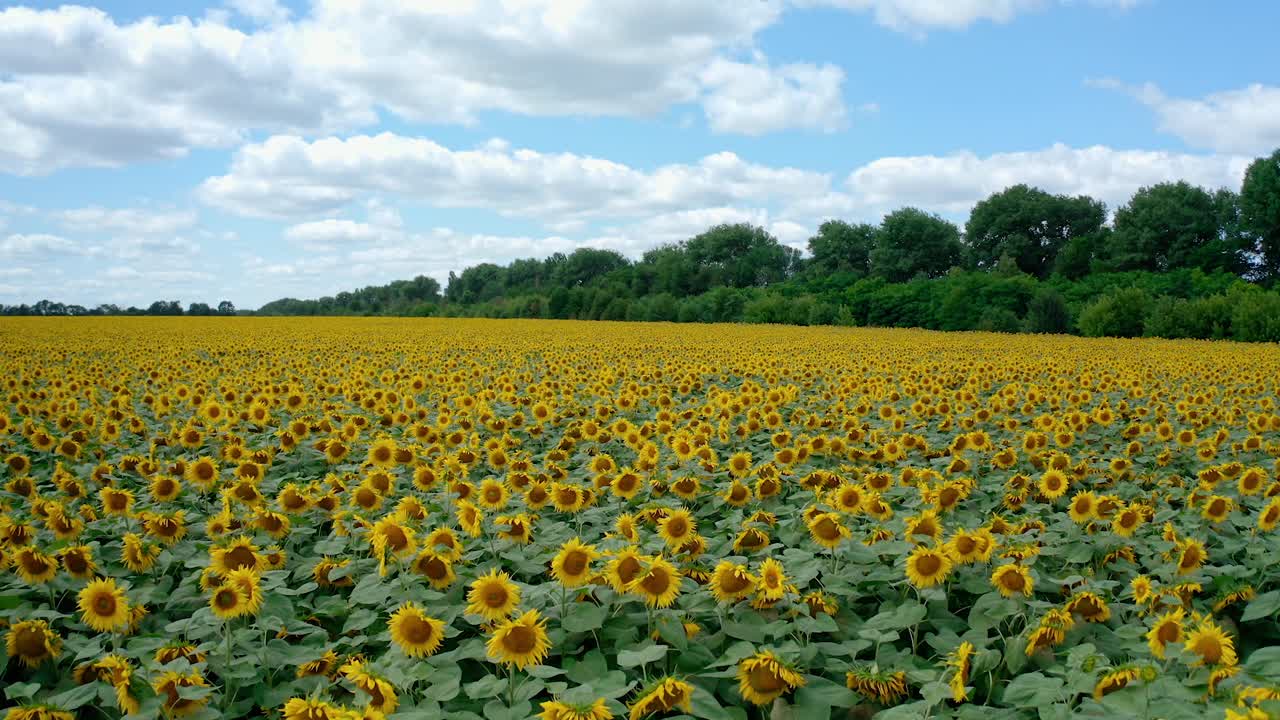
(1121, 313)
(1031, 226)
(913, 243)
(1047, 313)
(1260, 212)
(1174, 225)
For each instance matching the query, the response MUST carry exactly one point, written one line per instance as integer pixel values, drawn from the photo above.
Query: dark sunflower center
(928, 565)
(575, 563)
(104, 604)
(656, 582)
(521, 640)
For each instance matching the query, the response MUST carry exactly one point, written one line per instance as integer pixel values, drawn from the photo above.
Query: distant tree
(1047, 313)
(839, 247)
(226, 308)
(1173, 225)
(1031, 226)
(912, 242)
(1260, 213)
(584, 265)
(741, 255)
(199, 309)
(165, 307)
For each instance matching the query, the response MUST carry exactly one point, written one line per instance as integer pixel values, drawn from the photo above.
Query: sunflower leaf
(643, 656)
(1262, 606)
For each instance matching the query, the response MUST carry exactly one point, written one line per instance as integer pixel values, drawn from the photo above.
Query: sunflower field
(480, 519)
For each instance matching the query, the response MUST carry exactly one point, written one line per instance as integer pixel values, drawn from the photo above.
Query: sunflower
(493, 596)
(32, 642)
(382, 695)
(228, 601)
(137, 555)
(1083, 507)
(520, 641)
(1142, 589)
(164, 488)
(1269, 518)
(658, 582)
(763, 677)
(1089, 606)
(312, 709)
(382, 453)
(731, 582)
(37, 712)
(1191, 556)
(827, 530)
(1114, 680)
(170, 685)
(662, 696)
(1125, 522)
(1012, 579)
(35, 567)
(927, 566)
(471, 518)
(77, 560)
(565, 710)
(624, 568)
(239, 553)
(882, 686)
(1167, 630)
(1216, 508)
(771, 582)
(960, 662)
(750, 540)
(970, 546)
(415, 632)
(435, 567)
(677, 527)
(1053, 484)
(103, 606)
(323, 665)
(1210, 644)
(571, 566)
(322, 573)
(444, 541)
(519, 528)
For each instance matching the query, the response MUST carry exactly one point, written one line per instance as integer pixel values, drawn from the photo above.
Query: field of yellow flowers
(467, 519)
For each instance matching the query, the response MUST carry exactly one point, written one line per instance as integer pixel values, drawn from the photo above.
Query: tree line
(159, 307)
(1176, 260)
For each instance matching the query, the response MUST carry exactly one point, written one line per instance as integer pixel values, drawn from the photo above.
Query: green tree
(1170, 226)
(1260, 213)
(742, 255)
(912, 242)
(1031, 226)
(839, 247)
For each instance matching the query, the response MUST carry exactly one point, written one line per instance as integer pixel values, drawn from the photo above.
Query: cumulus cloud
(40, 244)
(953, 183)
(78, 88)
(754, 98)
(1244, 120)
(127, 220)
(287, 176)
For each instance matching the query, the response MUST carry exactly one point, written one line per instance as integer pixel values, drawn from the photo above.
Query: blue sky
(253, 149)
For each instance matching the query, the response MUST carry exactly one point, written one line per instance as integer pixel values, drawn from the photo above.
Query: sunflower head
(520, 641)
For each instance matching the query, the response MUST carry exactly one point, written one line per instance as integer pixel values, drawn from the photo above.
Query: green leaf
(1264, 662)
(584, 617)
(487, 686)
(16, 691)
(75, 697)
(1032, 690)
(818, 690)
(1262, 606)
(643, 656)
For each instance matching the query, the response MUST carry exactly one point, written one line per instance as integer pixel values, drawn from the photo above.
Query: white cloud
(919, 15)
(1246, 120)
(38, 244)
(127, 220)
(953, 183)
(130, 248)
(286, 176)
(754, 98)
(79, 88)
